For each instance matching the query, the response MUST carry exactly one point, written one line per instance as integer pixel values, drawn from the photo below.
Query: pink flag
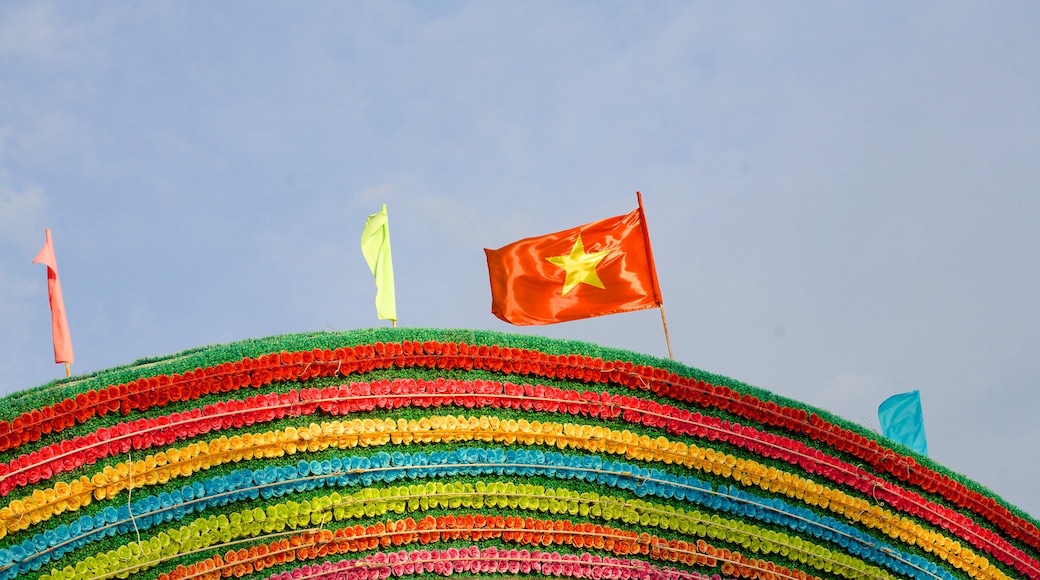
(59, 324)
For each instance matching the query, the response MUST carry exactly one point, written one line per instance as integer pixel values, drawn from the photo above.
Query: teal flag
(375, 245)
(902, 420)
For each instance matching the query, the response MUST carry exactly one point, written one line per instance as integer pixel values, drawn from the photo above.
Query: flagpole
(653, 273)
(668, 341)
(68, 371)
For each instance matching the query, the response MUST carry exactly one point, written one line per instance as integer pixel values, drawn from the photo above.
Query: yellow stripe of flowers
(184, 461)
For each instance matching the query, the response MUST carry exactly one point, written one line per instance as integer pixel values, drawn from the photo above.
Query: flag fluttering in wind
(375, 245)
(59, 324)
(600, 268)
(902, 420)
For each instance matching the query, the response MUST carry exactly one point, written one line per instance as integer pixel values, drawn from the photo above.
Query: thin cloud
(21, 212)
(34, 32)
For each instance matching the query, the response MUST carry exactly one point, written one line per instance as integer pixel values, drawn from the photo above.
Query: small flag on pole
(59, 324)
(375, 245)
(902, 420)
(596, 269)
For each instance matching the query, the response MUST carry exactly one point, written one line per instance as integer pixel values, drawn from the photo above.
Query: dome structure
(421, 453)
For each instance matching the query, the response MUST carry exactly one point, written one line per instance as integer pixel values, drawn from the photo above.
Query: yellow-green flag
(375, 245)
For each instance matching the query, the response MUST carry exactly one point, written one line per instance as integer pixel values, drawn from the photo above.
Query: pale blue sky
(844, 198)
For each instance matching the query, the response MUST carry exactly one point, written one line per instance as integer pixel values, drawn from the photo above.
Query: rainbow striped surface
(429, 453)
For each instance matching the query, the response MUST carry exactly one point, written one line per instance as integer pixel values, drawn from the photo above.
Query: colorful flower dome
(430, 453)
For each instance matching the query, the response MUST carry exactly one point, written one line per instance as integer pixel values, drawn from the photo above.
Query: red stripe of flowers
(145, 393)
(146, 433)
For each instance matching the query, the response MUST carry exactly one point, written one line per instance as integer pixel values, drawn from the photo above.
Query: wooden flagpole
(668, 341)
(653, 274)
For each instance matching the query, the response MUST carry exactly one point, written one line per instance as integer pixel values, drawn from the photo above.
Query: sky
(843, 197)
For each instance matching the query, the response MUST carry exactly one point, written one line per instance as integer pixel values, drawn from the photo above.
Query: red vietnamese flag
(59, 324)
(604, 267)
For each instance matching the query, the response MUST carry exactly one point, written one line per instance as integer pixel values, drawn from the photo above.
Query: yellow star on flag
(580, 267)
